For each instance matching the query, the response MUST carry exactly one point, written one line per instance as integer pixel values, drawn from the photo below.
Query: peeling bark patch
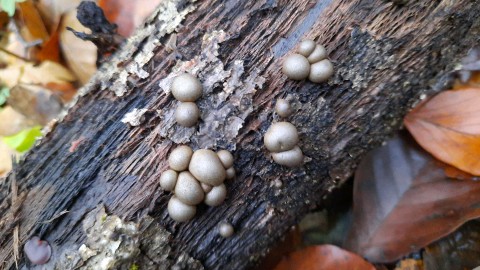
(286, 44)
(116, 244)
(227, 99)
(134, 118)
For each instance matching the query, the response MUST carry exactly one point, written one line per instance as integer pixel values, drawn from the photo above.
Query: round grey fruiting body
(226, 158)
(187, 114)
(180, 158)
(37, 251)
(321, 71)
(281, 136)
(168, 179)
(318, 54)
(207, 167)
(188, 189)
(306, 47)
(296, 67)
(230, 173)
(283, 108)
(186, 88)
(290, 158)
(226, 230)
(180, 211)
(216, 196)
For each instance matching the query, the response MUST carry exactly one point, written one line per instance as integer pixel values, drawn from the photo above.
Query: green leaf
(23, 140)
(9, 6)
(4, 94)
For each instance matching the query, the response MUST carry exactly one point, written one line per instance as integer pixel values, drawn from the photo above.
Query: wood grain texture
(385, 55)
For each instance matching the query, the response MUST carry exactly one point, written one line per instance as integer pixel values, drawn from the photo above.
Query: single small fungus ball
(281, 136)
(296, 67)
(179, 211)
(188, 189)
(230, 173)
(187, 114)
(180, 158)
(207, 167)
(306, 47)
(168, 179)
(226, 230)
(37, 251)
(216, 196)
(186, 88)
(226, 158)
(291, 158)
(321, 71)
(318, 54)
(283, 108)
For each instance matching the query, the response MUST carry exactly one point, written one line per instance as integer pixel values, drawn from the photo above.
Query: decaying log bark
(386, 56)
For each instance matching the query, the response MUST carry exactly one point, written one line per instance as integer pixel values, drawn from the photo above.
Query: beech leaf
(323, 257)
(403, 201)
(448, 126)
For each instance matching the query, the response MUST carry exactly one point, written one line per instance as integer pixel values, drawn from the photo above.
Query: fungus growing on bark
(225, 230)
(187, 114)
(281, 136)
(180, 211)
(309, 61)
(188, 189)
(207, 167)
(216, 196)
(186, 88)
(290, 158)
(283, 108)
(37, 251)
(168, 180)
(180, 158)
(296, 67)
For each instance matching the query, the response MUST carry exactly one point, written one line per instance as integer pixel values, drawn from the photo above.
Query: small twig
(14, 209)
(16, 55)
(55, 217)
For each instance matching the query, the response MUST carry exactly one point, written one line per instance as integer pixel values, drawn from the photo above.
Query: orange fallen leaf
(31, 18)
(409, 264)
(448, 126)
(127, 14)
(403, 201)
(323, 257)
(50, 49)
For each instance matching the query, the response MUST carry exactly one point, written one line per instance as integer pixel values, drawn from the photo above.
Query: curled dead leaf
(323, 257)
(403, 201)
(448, 126)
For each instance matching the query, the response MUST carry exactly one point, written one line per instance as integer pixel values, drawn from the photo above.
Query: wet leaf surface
(448, 127)
(403, 201)
(324, 257)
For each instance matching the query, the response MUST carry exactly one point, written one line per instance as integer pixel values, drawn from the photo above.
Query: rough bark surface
(386, 56)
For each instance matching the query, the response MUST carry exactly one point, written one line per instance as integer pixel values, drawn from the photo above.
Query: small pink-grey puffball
(37, 251)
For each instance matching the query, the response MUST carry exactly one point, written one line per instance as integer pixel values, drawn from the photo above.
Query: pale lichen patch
(112, 243)
(134, 118)
(227, 98)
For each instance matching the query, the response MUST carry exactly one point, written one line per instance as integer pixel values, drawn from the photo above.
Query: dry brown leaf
(50, 49)
(46, 72)
(35, 102)
(30, 17)
(448, 126)
(324, 257)
(12, 122)
(403, 201)
(127, 14)
(80, 55)
(52, 10)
